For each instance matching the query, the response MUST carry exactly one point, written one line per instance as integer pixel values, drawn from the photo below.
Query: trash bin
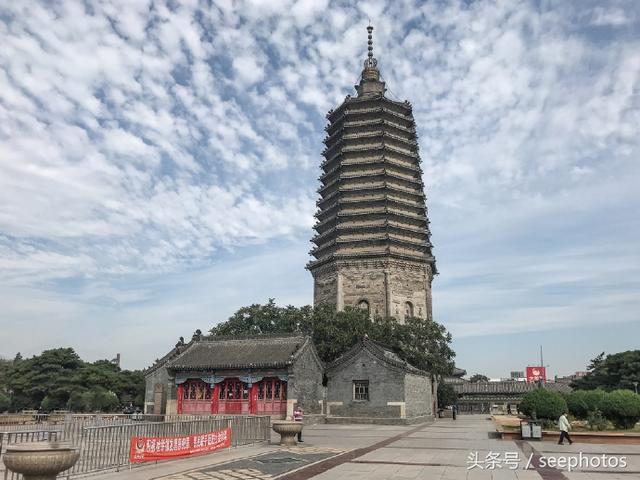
(536, 430)
(525, 430)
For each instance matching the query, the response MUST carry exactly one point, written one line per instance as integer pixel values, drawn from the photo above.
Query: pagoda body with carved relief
(372, 247)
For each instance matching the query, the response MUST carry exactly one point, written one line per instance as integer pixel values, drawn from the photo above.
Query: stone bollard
(288, 431)
(40, 460)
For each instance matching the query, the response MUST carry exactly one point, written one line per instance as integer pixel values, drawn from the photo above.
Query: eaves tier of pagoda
(372, 201)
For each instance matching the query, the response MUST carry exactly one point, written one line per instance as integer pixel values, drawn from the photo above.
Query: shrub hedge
(582, 402)
(620, 407)
(543, 404)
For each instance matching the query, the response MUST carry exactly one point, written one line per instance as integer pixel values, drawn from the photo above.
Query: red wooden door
(233, 397)
(196, 397)
(272, 397)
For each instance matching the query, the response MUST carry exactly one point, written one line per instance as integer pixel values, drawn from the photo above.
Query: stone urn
(40, 460)
(287, 430)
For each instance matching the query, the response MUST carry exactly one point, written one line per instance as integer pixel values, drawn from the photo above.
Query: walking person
(298, 415)
(564, 426)
(454, 411)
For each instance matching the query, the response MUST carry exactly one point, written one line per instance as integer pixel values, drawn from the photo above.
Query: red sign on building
(536, 374)
(145, 449)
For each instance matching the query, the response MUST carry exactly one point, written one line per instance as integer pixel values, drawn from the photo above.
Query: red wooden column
(253, 399)
(215, 405)
(180, 395)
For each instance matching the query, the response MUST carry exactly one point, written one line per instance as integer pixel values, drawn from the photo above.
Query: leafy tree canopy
(615, 371)
(446, 395)
(422, 343)
(49, 380)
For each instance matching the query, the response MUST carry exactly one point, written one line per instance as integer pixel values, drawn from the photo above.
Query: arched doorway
(363, 305)
(408, 310)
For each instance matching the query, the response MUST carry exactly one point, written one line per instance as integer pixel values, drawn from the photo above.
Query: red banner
(536, 374)
(145, 449)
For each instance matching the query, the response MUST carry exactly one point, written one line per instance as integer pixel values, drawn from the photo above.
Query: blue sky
(159, 161)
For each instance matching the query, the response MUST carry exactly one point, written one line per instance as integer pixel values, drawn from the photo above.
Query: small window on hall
(363, 305)
(361, 390)
(408, 309)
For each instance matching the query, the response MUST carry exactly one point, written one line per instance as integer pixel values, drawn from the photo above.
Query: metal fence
(106, 446)
(37, 421)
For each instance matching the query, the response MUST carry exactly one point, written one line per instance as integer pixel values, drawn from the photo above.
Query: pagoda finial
(370, 79)
(370, 62)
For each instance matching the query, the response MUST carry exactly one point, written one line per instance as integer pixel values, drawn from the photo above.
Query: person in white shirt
(564, 426)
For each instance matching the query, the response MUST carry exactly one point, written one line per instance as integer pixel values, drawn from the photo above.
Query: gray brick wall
(305, 382)
(386, 286)
(386, 384)
(158, 376)
(417, 395)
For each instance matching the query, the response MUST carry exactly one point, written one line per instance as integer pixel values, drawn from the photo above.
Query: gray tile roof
(504, 387)
(240, 352)
(379, 351)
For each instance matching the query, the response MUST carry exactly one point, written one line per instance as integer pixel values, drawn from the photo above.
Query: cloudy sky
(159, 161)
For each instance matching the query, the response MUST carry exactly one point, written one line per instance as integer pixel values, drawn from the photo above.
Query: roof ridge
(214, 338)
(378, 350)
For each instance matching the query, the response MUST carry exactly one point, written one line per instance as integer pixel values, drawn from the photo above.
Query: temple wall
(305, 383)
(156, 391)
(417, 394)
(386, 385)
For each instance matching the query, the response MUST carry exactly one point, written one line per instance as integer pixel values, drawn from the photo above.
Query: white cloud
(149, 140)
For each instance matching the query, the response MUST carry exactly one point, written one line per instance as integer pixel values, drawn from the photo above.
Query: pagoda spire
(370, 83)
(371, 62)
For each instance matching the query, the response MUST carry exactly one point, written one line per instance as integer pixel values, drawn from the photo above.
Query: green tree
(622, 407)
(49, 374)
(259, 319)
(583, 402)
(58, 379)
(544, 403)
(5, 402)
(77, 402)
(5, 371)
(615, 371)
(446, 395)
(424, 344)
(47, 405)
(99, 399)
(478, 378)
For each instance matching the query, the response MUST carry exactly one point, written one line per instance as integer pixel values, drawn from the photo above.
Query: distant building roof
(507, 387)
(558, 387)
(381, 352)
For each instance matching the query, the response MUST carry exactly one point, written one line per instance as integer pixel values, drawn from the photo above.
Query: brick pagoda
(372, 247)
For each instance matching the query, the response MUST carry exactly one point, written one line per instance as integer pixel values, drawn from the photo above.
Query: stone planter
(40, 460)
(287, 431)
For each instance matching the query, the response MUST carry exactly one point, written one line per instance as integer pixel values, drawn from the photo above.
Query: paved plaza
(445, 450)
